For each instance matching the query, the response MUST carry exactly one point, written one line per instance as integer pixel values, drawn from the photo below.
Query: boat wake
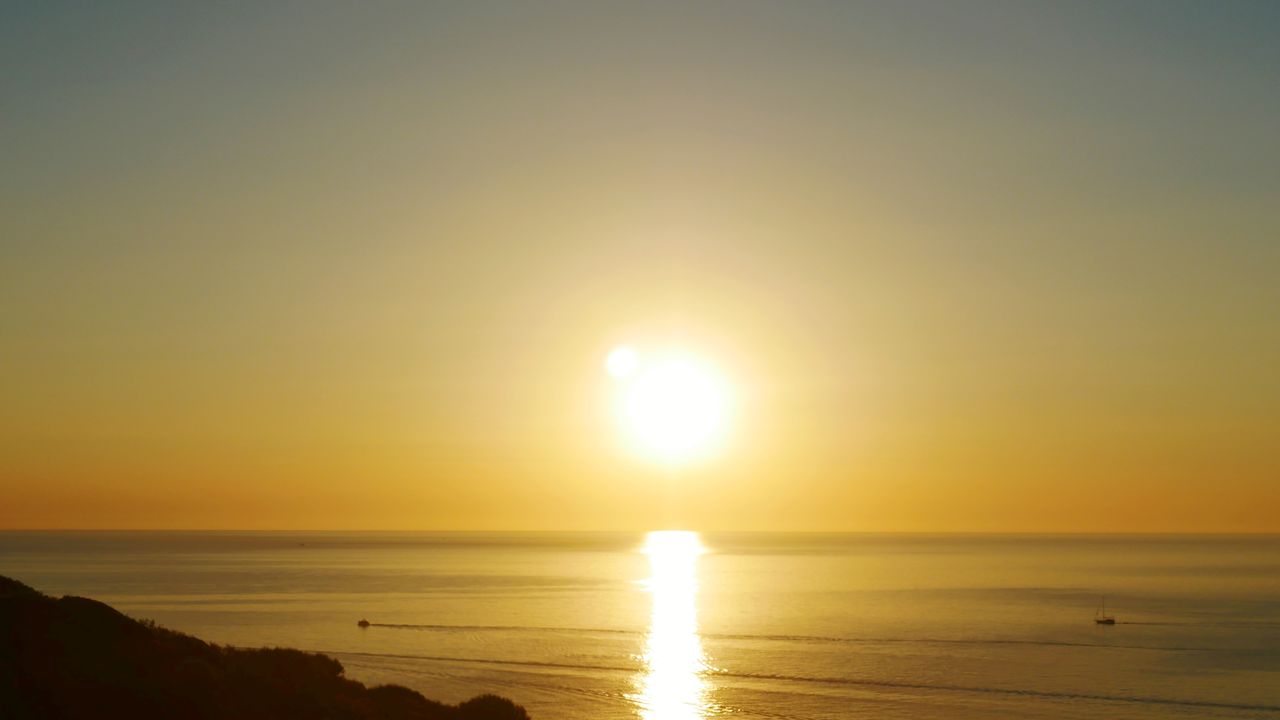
(814, 639)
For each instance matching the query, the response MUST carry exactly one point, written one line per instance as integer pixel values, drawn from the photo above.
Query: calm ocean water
(673, 626)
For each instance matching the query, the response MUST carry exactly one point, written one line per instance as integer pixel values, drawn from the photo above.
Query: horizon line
(648, 530)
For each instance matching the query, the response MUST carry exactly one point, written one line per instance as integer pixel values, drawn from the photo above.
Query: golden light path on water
(672, 686)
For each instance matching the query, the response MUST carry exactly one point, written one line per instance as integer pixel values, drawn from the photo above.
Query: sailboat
(1101, 617)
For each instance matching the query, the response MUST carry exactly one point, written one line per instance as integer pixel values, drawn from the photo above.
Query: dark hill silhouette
(74, 658)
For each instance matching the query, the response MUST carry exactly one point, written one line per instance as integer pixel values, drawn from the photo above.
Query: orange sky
(996, 268)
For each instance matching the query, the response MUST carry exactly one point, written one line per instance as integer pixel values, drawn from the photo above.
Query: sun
(673, 405)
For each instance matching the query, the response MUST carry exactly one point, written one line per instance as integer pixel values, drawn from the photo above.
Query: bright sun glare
(672, 686)
(673, 405)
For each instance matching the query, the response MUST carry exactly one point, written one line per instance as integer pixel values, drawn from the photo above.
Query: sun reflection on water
(672, 686)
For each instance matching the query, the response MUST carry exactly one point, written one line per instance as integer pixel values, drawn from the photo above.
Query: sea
(677, 625)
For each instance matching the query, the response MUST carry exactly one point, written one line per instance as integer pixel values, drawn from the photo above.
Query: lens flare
(622, 362)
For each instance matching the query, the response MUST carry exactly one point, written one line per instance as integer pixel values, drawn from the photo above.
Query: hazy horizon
(640, 532)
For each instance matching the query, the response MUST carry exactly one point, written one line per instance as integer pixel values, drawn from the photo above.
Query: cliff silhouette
(73, 658)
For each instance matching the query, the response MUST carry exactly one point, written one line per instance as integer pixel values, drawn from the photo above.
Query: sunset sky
(962, 266)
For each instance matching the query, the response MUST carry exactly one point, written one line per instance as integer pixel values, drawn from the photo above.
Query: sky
(982, 266)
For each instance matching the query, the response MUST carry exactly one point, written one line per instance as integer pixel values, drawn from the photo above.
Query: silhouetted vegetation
(77, 658)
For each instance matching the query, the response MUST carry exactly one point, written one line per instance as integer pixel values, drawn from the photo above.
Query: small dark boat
(1101, 617)
(363, 623)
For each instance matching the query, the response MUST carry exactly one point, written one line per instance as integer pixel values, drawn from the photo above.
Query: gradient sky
(969, 266)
